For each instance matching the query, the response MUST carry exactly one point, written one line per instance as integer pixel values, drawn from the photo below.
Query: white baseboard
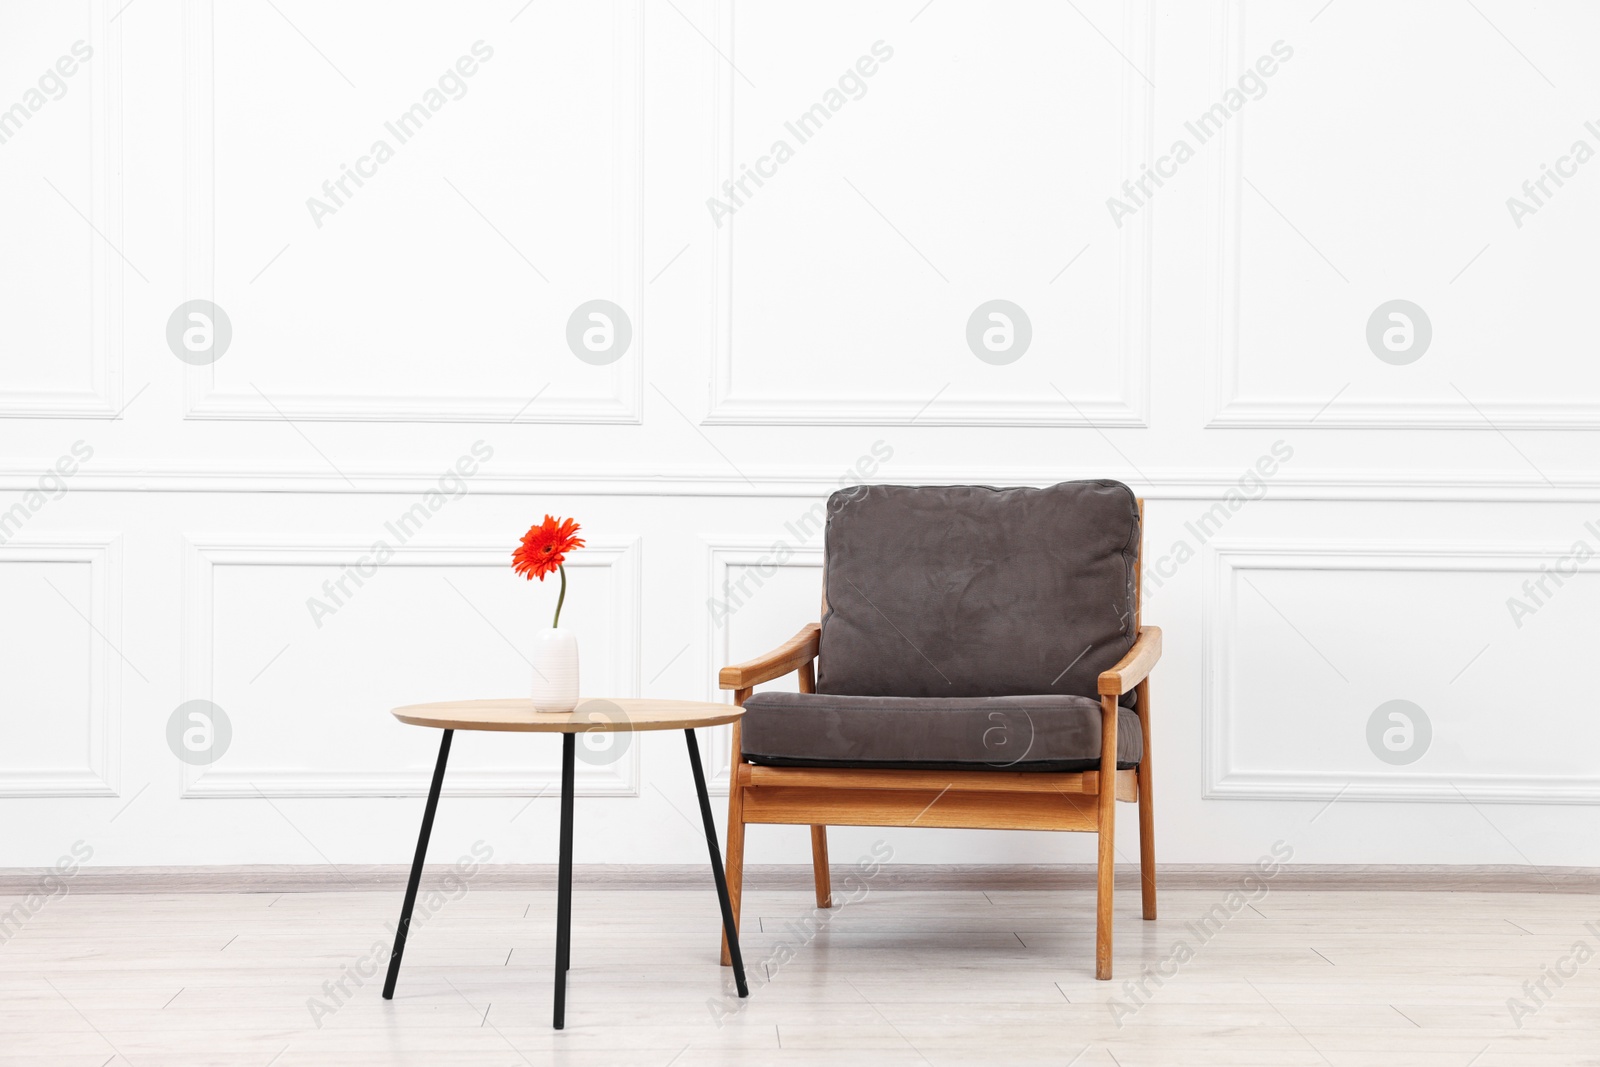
(322, 878)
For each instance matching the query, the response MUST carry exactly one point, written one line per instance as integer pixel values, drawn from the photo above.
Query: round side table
(518, 716)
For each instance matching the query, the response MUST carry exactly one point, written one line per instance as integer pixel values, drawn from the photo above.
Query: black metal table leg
(716, 865)
(416, 867)
(564, 879)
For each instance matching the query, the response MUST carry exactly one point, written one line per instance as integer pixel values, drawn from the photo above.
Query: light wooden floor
(899, 977)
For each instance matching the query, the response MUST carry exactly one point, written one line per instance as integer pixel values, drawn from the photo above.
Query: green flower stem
(562, 599)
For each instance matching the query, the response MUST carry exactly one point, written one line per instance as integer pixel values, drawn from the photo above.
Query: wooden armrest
(789, 656)
(1135, 665)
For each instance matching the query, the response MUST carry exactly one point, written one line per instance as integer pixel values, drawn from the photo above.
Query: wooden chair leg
(819, 866)
(1147, 809)
(734, 868)
(1107, 830)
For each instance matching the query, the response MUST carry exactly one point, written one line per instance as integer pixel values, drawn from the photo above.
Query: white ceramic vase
(555, 671)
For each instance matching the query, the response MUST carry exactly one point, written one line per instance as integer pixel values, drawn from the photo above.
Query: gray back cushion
(969, 591)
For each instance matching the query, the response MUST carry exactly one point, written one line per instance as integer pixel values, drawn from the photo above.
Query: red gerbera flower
(544, 547)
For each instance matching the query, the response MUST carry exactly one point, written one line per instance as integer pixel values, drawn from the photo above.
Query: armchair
(949, 683)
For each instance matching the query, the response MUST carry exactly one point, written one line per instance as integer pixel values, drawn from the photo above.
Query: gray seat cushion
(1024, 733)
(971, 591)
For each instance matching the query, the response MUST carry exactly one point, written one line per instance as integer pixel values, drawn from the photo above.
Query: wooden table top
(608, 716)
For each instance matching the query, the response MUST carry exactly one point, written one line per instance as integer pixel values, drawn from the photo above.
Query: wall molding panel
(1231, 409)
(103, 400)
(517, 778)
(723, 555)
(204, 399)
(1222, 779)
(102, 629)
(1128, 408)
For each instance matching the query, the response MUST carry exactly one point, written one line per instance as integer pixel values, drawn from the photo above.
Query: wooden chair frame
(988, 800)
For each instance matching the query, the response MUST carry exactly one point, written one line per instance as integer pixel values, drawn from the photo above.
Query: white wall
(824, 320)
